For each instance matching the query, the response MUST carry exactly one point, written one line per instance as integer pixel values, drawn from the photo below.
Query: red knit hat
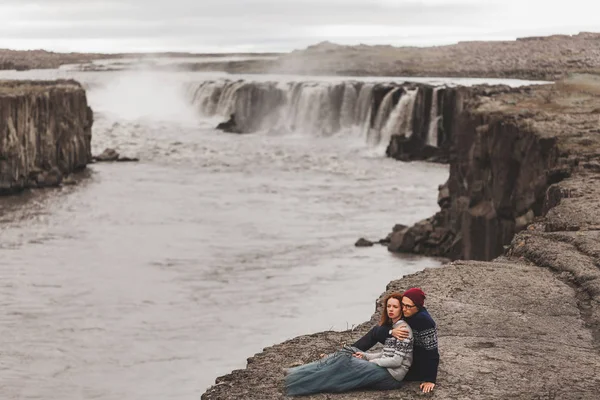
(416, 295)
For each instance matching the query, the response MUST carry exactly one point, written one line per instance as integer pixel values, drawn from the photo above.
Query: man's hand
(400, 333)
(427, 387)
(359, 355)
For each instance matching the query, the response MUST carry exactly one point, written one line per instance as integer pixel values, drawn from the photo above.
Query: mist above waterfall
(143, 95)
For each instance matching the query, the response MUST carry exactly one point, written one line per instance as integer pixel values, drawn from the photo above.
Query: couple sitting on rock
(410, 353)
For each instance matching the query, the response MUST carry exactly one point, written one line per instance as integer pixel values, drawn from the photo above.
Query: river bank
(526, 325)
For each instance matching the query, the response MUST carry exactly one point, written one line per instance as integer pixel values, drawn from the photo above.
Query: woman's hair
(385, 319)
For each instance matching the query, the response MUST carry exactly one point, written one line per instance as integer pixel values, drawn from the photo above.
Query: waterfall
(206, 96)
(364, 101)
(347, 113)
(382, 117)
(394, 122)
(226, 102)
(406, 106)
(306, 109)
(363, 109)
(315, 108)
(432, 134)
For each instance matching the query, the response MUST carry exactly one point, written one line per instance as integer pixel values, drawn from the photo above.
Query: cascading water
(316, 108)
(400, 120)
(406, 113)
(227, 99)
(383, 116)
(347, 111)
(432, 134)
(364, 108)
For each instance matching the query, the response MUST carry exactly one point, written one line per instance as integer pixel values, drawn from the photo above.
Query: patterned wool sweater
(425, 353)
(397, 355)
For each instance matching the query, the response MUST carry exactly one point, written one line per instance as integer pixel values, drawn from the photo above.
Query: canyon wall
(45, 133)
(499, 172)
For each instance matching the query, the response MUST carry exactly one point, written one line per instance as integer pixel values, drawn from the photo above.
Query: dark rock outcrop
(229, 126)
(500, 169)
(107, 155)
(111, 155)
(362, 242)
(45, 133)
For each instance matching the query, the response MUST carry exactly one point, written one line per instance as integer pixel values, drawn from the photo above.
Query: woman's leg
(340, 373)
(387, 383)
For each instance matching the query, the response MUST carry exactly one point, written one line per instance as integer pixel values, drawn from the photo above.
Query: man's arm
(400, 332)
(428, 340)
(378, 334)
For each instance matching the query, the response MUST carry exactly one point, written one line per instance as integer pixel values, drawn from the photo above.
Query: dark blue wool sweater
(426, 357)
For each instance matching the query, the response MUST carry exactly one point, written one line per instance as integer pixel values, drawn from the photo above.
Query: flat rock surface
(27, 87)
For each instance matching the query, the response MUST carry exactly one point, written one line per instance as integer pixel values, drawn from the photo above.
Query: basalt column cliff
(500, 169)
(45, 133)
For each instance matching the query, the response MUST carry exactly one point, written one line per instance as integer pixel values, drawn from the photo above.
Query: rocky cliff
(45, 133)
(527, 325)
(507, 150)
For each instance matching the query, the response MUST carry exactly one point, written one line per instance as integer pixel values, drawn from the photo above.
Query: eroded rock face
(45, 133)
(500, 168)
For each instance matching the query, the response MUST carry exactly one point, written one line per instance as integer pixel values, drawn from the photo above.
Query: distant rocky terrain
(535, 58)
(41, 59)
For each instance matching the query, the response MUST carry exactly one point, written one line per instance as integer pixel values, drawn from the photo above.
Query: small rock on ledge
(69, 181)
(363, 243)
(128, 159)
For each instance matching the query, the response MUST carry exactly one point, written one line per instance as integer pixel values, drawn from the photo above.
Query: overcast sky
(279, 25)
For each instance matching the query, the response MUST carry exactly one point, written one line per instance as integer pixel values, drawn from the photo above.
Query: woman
(350, 369)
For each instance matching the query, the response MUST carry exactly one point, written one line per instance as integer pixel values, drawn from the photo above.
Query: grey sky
(281, 25)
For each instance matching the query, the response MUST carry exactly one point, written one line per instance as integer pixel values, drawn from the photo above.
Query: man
(426, 357)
